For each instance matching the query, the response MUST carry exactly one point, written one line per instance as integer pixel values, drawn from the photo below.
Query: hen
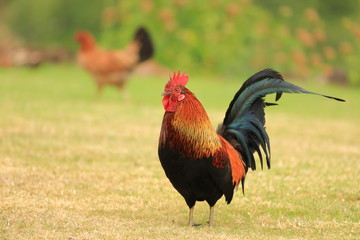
(113, 67)
(203, 164)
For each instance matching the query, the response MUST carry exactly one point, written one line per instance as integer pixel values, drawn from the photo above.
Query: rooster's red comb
(177, 79)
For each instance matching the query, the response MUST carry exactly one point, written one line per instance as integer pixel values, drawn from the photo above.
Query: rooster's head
(85, 39)
(174, 91)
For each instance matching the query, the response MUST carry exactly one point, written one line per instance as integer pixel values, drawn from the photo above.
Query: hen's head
(174, 91)
(85, 39)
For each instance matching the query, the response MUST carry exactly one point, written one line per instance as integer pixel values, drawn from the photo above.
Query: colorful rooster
(203, 164)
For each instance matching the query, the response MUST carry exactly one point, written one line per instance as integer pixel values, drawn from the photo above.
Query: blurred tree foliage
(304, 38)
(52, 22)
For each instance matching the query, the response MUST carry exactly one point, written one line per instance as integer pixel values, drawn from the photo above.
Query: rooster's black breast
(195, 179)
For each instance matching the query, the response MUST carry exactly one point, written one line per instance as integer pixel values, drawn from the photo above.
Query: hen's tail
(244, 121)
(146, 47)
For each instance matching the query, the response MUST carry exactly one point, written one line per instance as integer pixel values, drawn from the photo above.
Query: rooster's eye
(177, 90)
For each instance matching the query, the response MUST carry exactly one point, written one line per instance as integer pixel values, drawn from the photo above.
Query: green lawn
(76, 167)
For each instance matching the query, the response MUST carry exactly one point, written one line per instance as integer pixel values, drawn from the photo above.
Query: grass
(75, 167)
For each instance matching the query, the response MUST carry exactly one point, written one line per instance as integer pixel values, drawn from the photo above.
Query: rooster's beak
(165, 93)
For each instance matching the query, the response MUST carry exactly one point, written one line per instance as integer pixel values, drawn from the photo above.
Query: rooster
(203, 164)
(113, 67)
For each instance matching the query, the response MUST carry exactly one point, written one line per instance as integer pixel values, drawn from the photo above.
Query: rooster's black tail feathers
(244, 121)
(146, 47)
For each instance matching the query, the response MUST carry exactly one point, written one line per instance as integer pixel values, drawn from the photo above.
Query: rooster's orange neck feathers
(196, 137)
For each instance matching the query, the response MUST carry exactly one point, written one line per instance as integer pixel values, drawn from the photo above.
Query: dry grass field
(75, 167)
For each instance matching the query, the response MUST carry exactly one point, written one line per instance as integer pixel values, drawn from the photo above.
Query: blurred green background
(316, 39)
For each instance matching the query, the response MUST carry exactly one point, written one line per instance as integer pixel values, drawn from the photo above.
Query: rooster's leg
(191, 217)
(99, 87)
(211, 217)
(125, 95)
